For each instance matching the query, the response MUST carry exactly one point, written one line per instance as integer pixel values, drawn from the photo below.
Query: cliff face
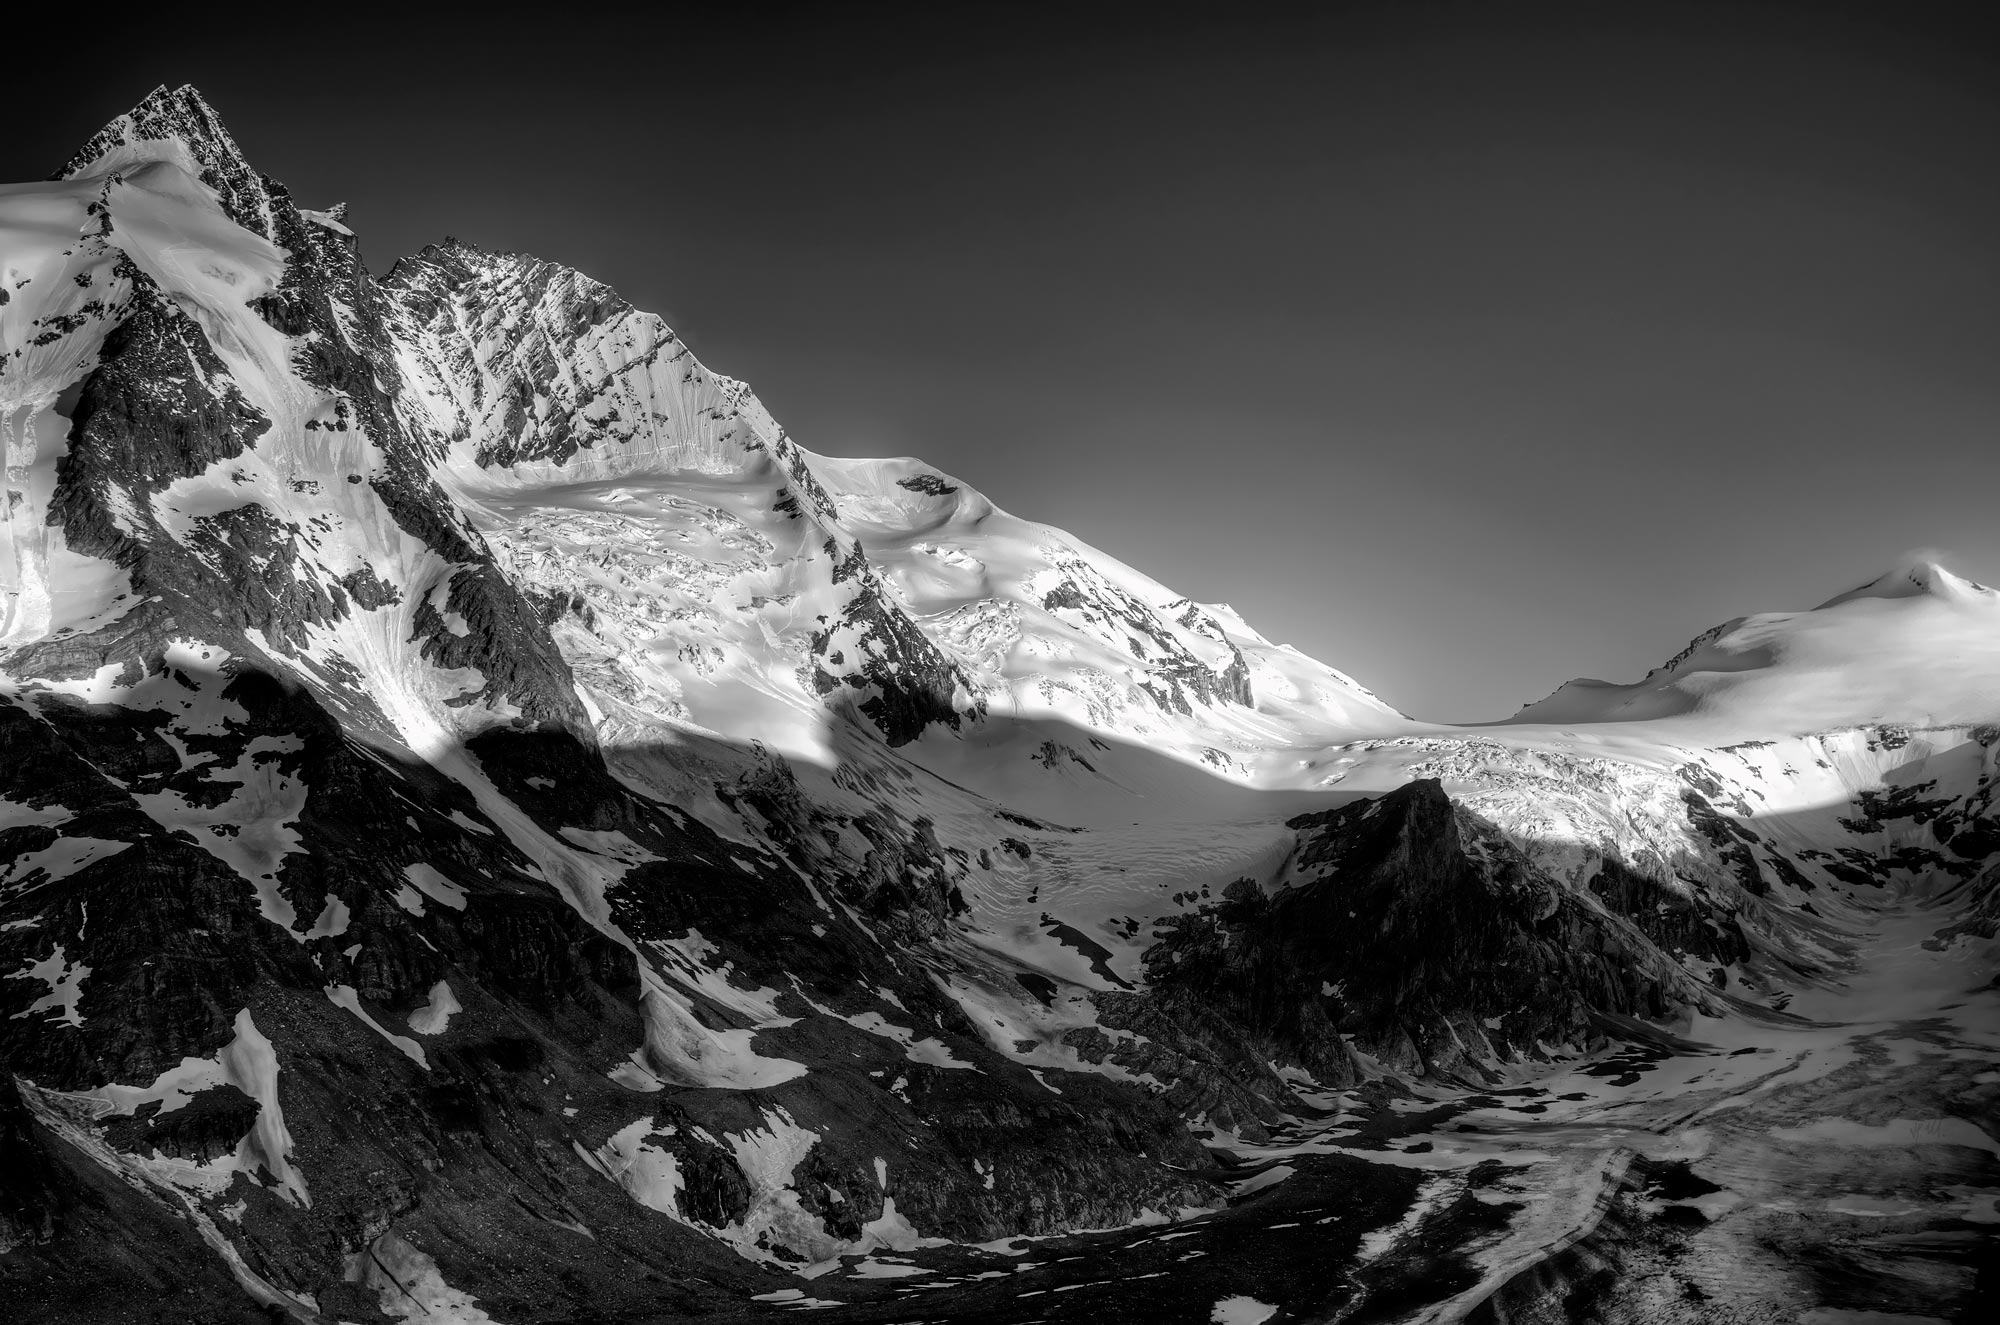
(1414, 937)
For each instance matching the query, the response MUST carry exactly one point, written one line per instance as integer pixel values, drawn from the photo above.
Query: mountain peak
(1922, 656)
(179, 125)
(163, 115)
(1917, 575)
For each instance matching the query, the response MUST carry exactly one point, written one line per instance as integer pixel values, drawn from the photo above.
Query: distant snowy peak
(1917, 645)
(1919, 576)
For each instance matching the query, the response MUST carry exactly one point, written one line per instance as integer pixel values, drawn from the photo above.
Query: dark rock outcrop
(1397, 941)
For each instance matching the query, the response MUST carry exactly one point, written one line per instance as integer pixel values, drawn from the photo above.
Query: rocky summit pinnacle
(178, 123)
(493, 829)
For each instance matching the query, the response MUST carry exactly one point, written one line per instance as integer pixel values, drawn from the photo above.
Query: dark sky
(1467, 347)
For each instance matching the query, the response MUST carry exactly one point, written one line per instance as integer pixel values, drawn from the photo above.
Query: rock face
(1428, 955)
(491, 829)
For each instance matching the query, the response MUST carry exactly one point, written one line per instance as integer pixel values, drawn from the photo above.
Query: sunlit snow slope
(722, 577)
(1919, 645)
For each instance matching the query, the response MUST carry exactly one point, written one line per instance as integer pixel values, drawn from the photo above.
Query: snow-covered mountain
(492, 829)
(1916, 645)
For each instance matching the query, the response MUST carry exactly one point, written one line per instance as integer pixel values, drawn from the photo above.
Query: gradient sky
(1467, 347)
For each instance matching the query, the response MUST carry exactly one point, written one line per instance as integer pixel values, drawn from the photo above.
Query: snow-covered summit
(178, 125)
(1917, 576)
(1917, 645)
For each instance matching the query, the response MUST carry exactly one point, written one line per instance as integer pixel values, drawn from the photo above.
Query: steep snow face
(131, 207)
(677, 541)
(163, 288)
(705, 570)
(72, 249)
(1051, 628)
(1919, 646)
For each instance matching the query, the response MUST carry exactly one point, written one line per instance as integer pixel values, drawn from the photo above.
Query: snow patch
(434, 1018)
(650, 1175)
(435, 886)
(58, 860)
(347, 997)
(1240, 1310)
(65, 981)
(251, 1064)
(407, 1284)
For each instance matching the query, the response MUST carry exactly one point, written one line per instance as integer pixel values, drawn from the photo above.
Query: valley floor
(1835, 1163)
